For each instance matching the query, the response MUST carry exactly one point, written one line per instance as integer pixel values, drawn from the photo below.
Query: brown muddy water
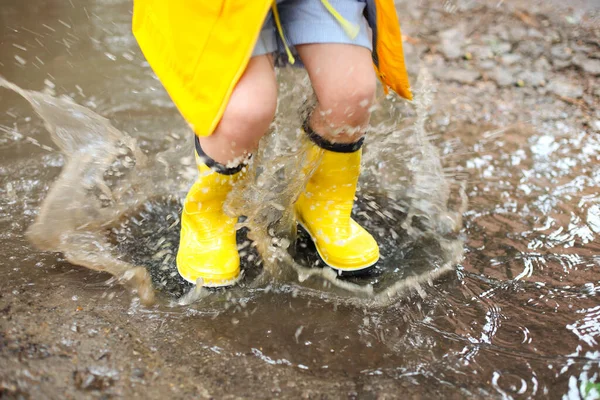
(494, 297)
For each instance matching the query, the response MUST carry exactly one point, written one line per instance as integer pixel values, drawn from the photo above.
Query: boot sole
(224, 283)
(343, 271)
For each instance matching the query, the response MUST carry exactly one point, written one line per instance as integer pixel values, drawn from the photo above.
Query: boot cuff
(327, 145)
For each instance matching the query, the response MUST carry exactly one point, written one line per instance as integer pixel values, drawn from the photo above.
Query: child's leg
(248, 114)
(343, 78)
(344, 82)
(207, 247)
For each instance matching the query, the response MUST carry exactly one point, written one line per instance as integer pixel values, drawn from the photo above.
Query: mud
(515, 109)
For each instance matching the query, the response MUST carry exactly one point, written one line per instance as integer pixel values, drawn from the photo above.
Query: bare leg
(344, 81)
(207, 247)
(248, 114)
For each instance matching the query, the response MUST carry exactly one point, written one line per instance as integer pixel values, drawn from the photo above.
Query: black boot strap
(327, 145)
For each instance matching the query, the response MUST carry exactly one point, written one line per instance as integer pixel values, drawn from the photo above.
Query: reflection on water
(517, 318)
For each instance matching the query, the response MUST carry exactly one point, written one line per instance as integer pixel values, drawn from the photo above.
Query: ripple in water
(518, 318)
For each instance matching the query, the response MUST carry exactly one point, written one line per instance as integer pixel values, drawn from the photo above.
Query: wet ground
(515, 99)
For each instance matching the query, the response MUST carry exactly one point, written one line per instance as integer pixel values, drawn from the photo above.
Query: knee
(349, 105)
(248, 116)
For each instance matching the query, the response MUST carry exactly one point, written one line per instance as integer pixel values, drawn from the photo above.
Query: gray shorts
(308, 21)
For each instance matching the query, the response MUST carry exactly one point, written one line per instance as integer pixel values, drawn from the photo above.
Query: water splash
(81, 203)
(108, 179)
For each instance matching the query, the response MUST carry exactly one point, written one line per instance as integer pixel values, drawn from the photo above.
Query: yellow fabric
(324, 211)
(391, 69)
(350, 29)
(207, 248)
(200, 49)
(291, 58)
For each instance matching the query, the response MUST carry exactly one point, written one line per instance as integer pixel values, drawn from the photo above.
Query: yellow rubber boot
(207, 248)
(324, 211)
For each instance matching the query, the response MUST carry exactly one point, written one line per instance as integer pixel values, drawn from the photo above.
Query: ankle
(230, 167)
(329, 143)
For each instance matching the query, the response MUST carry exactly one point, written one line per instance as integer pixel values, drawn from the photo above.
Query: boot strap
(327, 145)
(214, 165)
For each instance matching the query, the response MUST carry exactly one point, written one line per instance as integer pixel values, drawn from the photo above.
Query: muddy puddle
(496, 296)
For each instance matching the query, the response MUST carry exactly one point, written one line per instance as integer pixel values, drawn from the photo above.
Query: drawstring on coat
(350, 29)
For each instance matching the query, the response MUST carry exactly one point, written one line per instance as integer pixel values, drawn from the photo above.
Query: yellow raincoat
(200, 49)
